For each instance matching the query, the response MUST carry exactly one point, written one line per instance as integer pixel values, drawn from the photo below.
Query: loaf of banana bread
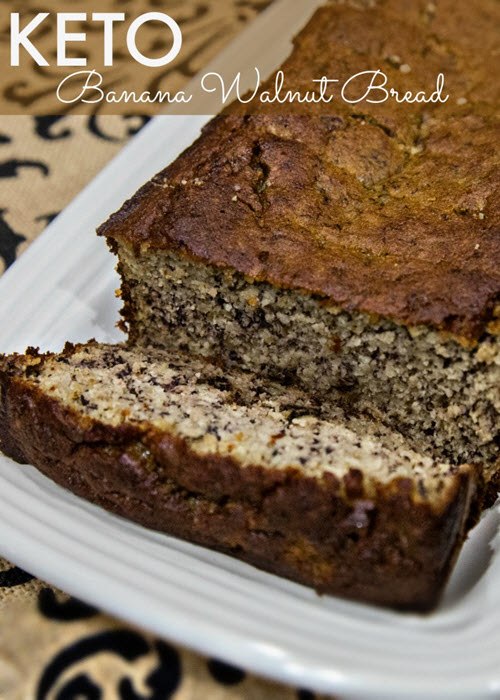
(243, 465)
(355, 254)
(312, 376)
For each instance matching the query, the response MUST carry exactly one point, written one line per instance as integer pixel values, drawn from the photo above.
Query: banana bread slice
(242, 465)
(354, 253)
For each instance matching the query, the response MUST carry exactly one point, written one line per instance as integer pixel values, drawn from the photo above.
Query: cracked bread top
(391, 209)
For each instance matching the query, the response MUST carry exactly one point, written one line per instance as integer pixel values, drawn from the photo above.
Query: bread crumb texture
(443, 397)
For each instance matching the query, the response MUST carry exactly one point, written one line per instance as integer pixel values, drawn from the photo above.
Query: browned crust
(389, 209)
(387, 549)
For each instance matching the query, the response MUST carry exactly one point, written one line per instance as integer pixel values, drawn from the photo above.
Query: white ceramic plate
(62, 289)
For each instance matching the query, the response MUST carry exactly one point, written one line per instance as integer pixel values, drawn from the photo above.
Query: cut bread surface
(232, 413)
(443, 397)
(243, 465)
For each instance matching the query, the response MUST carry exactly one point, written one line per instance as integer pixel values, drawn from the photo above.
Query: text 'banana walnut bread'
(312, 376)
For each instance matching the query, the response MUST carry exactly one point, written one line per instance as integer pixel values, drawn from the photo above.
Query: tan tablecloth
(52, 646)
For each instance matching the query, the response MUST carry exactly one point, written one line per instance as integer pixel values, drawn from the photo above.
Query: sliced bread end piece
(241, 465)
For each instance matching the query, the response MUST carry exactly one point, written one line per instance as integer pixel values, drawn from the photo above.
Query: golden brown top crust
(391, 209)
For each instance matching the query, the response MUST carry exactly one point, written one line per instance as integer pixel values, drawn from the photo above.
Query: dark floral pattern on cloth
(68, 609)
(224, 673)
(9, 241)
(115, 131)
(10, 168)
(161, 682)
(51, 158)
(14, 577)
